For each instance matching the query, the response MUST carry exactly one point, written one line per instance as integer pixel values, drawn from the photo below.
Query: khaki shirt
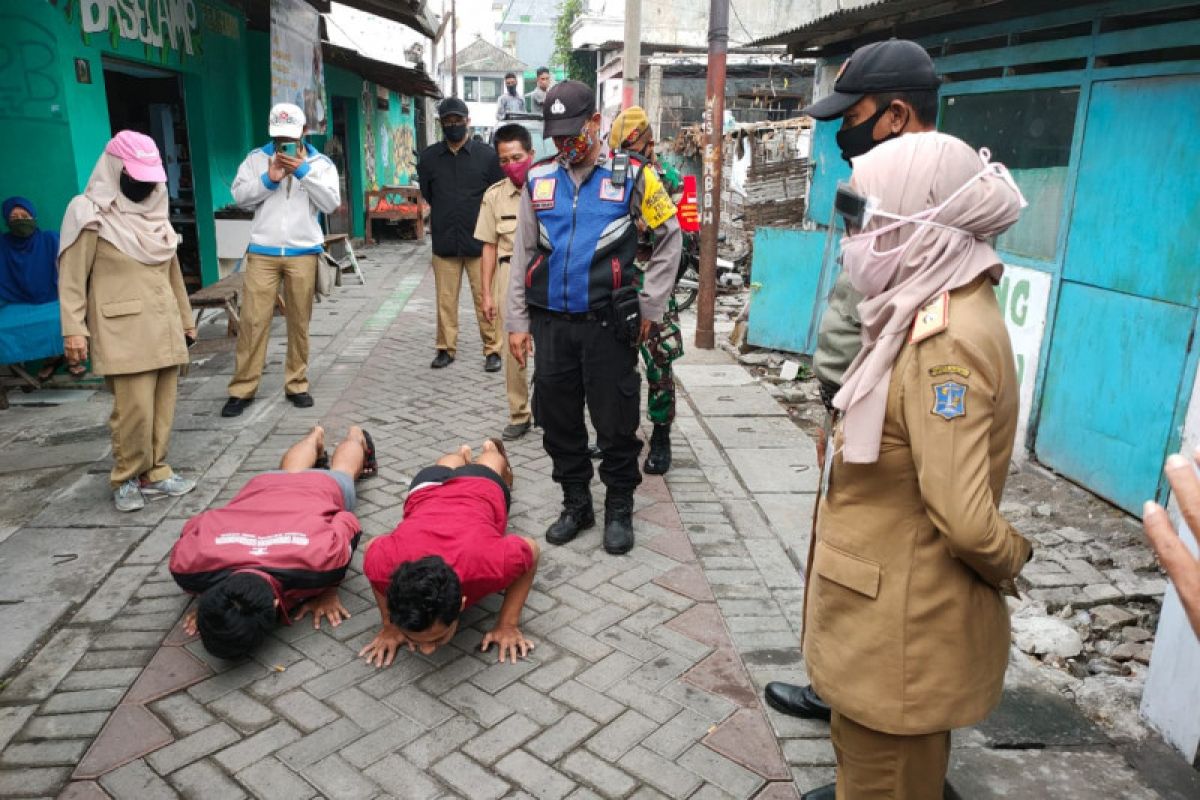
(498, 217)
(906, 629)
(133, 313)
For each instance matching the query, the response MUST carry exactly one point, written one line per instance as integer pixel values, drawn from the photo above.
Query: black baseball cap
(896, 65)
(567, 106)
(452, 105)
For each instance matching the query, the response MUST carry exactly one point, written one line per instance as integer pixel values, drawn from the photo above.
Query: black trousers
(578, 362)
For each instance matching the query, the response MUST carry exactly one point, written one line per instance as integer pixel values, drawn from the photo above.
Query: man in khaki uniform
(906, 628)
(495, 228)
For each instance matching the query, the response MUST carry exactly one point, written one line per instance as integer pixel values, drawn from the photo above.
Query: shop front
(80, 70)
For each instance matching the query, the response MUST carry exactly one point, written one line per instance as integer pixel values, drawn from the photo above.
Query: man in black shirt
(454, 173)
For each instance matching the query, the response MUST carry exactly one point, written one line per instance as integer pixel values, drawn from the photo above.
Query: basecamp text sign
(158, 23)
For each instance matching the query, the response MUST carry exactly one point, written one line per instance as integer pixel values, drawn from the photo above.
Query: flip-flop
(370, 464)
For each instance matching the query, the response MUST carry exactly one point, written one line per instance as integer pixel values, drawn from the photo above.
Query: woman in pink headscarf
(906, 629)
(124, 302)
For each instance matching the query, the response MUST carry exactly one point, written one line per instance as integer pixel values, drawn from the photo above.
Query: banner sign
(297, 72)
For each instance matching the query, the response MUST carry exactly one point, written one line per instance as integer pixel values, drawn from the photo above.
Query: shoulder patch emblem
(949, 400)
(949, 369)
(543, 193)
(611, 192)
(932, 318)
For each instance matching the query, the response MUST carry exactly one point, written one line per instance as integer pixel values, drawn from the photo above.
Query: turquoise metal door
(785, 276)
(1119, 361)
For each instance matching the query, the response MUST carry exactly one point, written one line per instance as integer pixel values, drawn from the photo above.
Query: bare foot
(465, 452)
(318, 433)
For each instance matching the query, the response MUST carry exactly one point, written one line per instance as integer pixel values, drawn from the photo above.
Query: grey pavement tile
(64, 752)
(320, 743)
(477, 704)
(242, 711)
(42, 675)
(536, 777)
(203, 780)
(270, 780)
(12, 718)
(303, 710)
(136, 779)
(381, 741)
(587, 701)
(91, 700)
(469, 778)
(607, 780)
(716, 769)
(192, 748)
(507, 735)
(256, 747)
(562, 737)
(65, 726)
(440, 741)
(363, 710)
(182, 713)
(418, 705)
(532, 703)
(664, 775)
(339, 780)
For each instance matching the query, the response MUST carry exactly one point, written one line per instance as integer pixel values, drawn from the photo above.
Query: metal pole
(631, 68)
(453, 49)
(710, 191)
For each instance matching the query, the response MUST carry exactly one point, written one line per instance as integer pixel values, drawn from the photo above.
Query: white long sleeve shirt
(285, 213)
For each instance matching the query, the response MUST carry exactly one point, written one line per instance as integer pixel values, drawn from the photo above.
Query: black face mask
(859, 139)
(513, 90)
(137, 191)
(455, 133)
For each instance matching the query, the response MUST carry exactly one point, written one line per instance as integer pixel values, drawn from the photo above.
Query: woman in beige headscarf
(906, 630)
(124, 302)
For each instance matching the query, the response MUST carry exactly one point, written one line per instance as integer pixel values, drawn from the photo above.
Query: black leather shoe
(442, 359)
(577, 514)
(234, 406)
(798, 701)
(828, 792)
(300, 399)
(618, 522)
(658, 460)
(492, 363)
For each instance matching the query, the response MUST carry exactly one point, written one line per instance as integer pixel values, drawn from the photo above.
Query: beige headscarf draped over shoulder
(907, 175)
(141, 231)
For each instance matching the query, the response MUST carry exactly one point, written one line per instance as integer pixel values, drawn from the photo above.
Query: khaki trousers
(142, 415)
(261, 284)
(447, 277)
(515, 380)
(881, 766)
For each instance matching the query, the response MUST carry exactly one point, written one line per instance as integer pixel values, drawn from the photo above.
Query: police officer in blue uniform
(573, 301)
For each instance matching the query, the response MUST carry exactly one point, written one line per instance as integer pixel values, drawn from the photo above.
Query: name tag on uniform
(543, 193)
(611, 192)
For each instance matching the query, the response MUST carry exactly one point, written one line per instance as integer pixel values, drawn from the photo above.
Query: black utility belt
(598, 315)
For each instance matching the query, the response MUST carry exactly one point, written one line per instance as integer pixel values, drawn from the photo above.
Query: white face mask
(872, 271)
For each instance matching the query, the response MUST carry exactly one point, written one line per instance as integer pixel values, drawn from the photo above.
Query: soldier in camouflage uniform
(631, 132)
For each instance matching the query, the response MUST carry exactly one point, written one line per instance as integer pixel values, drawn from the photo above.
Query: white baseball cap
(287, 121)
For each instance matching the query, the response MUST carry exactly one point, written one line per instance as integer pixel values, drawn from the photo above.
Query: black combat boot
(658, 460)
(577, 514)
(618, 521)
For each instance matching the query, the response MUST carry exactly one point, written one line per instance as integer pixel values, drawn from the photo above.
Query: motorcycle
(731, 272)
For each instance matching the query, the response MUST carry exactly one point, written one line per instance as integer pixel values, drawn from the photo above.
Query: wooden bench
(400, 203)
(220, 295)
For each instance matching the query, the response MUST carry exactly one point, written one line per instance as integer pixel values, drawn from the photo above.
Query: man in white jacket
(287, 182)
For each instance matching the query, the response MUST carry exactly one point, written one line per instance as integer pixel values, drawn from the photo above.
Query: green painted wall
(54, 127)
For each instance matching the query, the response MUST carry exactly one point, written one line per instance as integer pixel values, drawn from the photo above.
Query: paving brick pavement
(638, 687)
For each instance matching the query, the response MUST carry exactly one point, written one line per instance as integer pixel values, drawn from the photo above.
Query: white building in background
(481, 69)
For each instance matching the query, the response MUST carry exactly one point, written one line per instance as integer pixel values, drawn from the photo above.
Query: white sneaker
(174, 486)
(128, 496)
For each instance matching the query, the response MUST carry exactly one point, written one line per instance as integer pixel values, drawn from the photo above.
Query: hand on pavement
(510, 640)
(327, 605)
(382, 650)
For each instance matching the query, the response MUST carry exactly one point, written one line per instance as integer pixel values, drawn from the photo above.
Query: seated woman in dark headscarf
(29, 314)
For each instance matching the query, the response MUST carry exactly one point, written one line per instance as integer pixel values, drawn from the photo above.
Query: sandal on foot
(370, 464)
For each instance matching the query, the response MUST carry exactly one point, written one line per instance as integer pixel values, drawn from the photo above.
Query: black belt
(602, 315)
